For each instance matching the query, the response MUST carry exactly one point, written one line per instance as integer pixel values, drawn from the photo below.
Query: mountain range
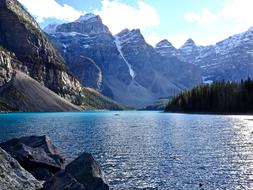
(126, 68)
(123, 66)
(229, 60)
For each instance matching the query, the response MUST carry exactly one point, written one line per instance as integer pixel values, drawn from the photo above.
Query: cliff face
(21, 34)
(19, 92)
(6, 69)
(86, 70)
(6, 74)
(33, 54)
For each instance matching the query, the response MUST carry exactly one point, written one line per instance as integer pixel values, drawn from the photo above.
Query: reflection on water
(150, 150)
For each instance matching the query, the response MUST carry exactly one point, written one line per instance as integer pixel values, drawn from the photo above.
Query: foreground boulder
(36, 154)
(84, 173)
(13, 176)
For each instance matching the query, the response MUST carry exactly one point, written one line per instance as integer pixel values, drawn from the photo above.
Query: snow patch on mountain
(165, 48)
(119, 47)
(85, 17)
(72, 34)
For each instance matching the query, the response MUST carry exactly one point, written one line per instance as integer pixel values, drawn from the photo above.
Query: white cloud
(118, 16)
(205, 18)
(239, 11)
(48, 9)
(233, 17)
(236, 11)
(192, 17)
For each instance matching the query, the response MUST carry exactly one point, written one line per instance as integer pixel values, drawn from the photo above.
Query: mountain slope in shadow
(26, 94)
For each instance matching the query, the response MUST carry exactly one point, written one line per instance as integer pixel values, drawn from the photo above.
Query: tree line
(218, 97)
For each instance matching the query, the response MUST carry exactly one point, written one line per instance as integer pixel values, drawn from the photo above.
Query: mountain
(165, 48)
(230, 59)
(124, 67)
(189, 51)
(37, 58)
(89, 38)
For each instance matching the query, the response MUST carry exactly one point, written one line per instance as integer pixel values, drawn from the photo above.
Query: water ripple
(150, 150)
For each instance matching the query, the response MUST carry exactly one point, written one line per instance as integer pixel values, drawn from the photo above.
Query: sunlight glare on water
(150, 150)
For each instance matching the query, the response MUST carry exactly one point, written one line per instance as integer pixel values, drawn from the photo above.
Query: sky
(205, 21)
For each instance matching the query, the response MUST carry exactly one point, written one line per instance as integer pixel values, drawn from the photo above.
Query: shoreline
(210, 113)
(158, 111)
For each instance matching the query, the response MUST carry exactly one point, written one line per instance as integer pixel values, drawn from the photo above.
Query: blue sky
(205, 21)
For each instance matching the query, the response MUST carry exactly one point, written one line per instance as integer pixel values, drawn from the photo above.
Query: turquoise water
(150, 150)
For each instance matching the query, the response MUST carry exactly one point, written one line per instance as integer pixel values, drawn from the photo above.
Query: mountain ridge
(230, 59)
(133, 73)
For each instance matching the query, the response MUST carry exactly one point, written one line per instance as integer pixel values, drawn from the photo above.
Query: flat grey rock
(36, 154)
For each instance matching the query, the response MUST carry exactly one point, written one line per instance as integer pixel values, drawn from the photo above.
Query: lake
(150, 150)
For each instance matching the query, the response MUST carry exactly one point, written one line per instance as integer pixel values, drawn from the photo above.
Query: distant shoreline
(210, 113)
(159, 111)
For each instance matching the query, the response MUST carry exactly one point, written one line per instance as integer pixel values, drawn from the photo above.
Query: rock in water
(13, 176)
(36, 154)
(84, 173)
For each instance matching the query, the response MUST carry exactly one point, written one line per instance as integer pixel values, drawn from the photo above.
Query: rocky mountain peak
(189, 42)
(189, 51)
(129, 32)
(50, 29)
(133, 36)
(250, 29)
(136, 32)
(163, 43)
(88, 24)
(165, 48)
(89, 17)
(15, 7)
(123, 32)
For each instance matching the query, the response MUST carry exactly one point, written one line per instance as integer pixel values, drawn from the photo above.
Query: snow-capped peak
(127, 32)
(131, 36)
(189, 45)
(190, 42)
(250, 29)
(163, 43)
(51, 28)
(86, 17)
(123, 32)
(165, 48)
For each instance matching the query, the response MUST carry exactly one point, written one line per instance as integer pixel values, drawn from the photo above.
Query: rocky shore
(35, 163)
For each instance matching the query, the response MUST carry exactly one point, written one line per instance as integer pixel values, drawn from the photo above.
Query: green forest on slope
(219, 97)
